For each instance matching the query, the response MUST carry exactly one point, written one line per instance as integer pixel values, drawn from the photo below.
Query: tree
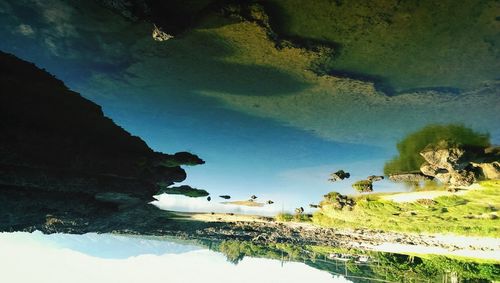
(409, 159)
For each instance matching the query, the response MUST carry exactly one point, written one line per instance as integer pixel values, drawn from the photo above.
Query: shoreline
(262, 230)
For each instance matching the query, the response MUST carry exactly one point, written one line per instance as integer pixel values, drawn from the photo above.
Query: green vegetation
(473, 213)
(404, 267)
(363, 186)
(288, 217)
(183, 190)
(388, 266)
(409, 159)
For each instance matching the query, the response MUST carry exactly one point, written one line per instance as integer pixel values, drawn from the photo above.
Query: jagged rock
(409, 177)
(225, 196)
(253, 197)
(339, 175)
(489, 170)
(458, 165)
(374, 178)
(337, 201)
(270, 202)
(160, 35)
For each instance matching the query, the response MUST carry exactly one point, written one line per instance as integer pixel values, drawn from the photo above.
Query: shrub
(284, 217)
(409, 159)
(363, 186)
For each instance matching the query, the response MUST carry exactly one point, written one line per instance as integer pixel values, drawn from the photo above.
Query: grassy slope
(468, 214)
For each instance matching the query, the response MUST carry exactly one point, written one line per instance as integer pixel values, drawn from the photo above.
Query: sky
(264, 123)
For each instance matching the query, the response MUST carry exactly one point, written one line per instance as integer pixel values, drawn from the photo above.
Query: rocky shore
(265, 230)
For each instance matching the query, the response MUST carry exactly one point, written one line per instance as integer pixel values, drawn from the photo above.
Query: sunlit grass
(471, 213)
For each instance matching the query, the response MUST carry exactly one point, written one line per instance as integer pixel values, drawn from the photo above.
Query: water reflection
(118, 258)
(62, 258)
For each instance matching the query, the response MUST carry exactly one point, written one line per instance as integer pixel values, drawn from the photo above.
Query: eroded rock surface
(460, 165)
(60, 156)
(339, 176)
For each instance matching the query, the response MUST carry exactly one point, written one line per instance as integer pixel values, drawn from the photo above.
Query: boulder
(459, 165)
(374, 178)
(489, 170)
(160, 35)
(338, 176)
(337, 201)
(409, 177)
(363, 186)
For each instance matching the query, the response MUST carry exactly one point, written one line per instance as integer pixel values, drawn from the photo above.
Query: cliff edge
(60, 157)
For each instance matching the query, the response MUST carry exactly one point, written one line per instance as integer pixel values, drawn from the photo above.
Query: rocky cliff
(62, 160)
(460, 165)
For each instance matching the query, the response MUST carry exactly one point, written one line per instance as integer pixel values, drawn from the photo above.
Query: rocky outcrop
(338, 176)
(160, 35)
(184, 190)
(60, 156)
(375, 178)
(414, 177)
(458, 165)
(363, 186)
(489, 170)
(337, 201)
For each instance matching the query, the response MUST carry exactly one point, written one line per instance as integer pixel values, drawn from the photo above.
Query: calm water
(115, 258)
(276, 132)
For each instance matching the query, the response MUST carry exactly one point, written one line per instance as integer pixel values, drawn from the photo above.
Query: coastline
(264, 230)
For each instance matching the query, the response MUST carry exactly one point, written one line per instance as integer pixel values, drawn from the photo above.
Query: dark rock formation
(60, 155)
(337, 201)
(374, 178)
(225, 196)
(412, 177)
(338, 176)
(458, 165)
(184, 190)
(270, 202)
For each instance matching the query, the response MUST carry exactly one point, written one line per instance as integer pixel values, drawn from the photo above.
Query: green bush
(284, 217)
(363, 186)
(409, 159)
